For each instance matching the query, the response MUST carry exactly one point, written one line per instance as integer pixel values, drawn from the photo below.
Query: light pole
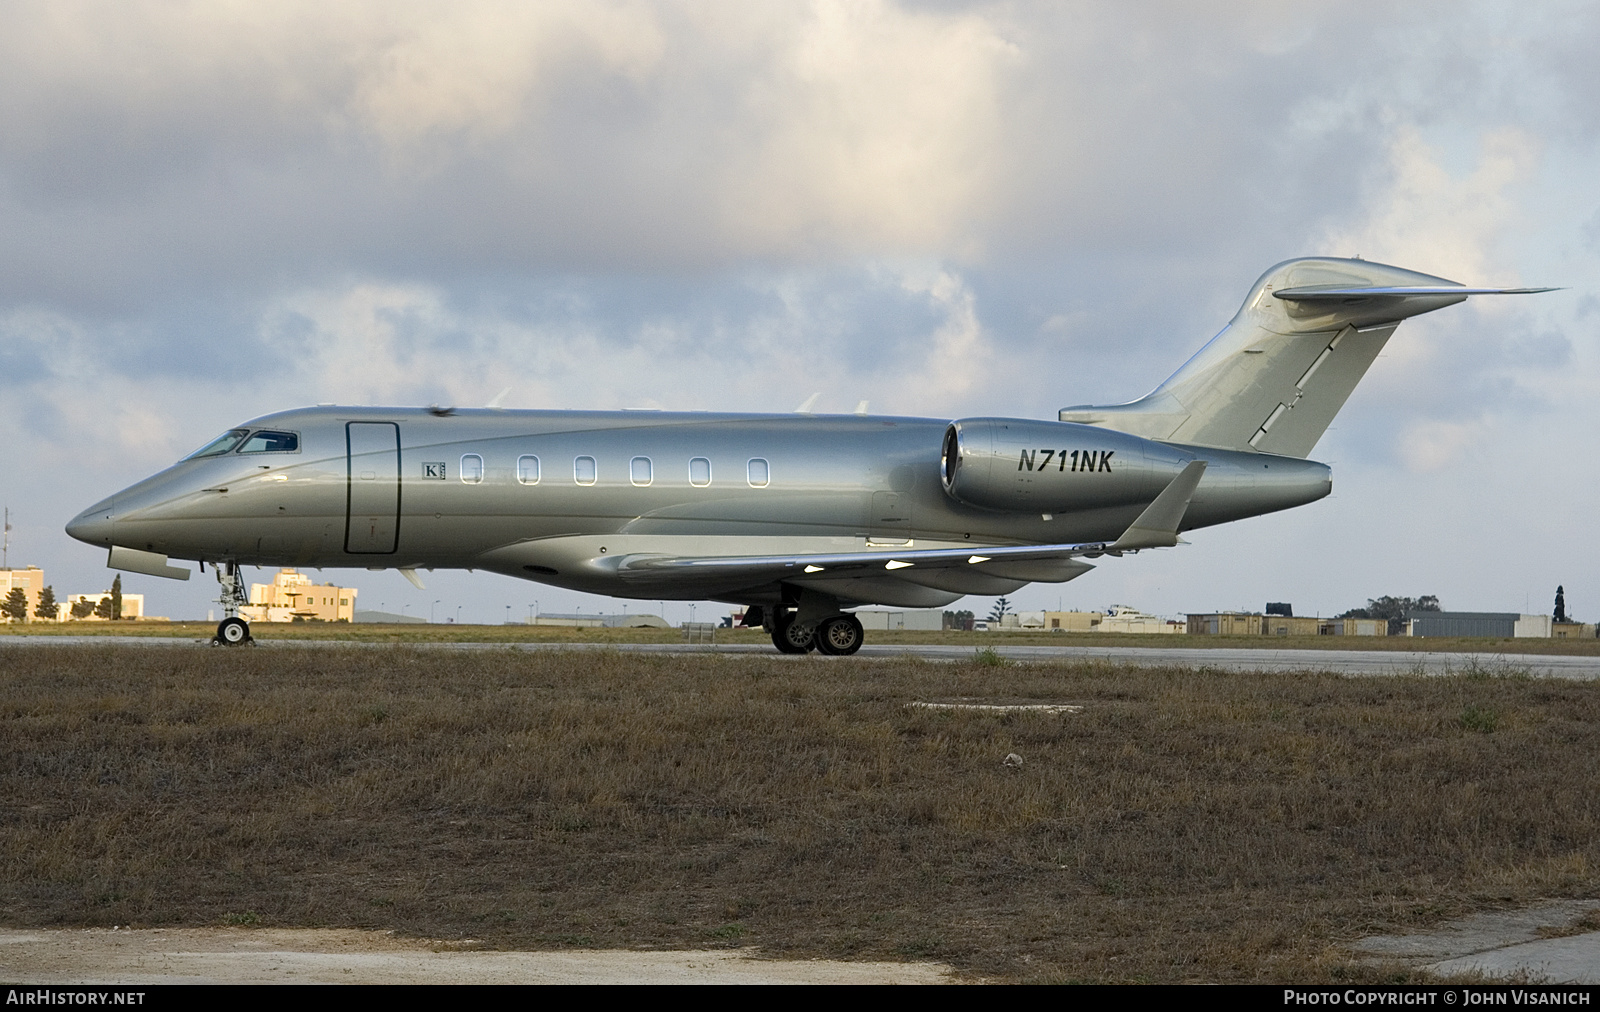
(508, 614)
(458, 614)
(431, 608)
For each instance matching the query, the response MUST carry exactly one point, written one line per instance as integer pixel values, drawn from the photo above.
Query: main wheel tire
(840, 636)
(233, 632)
(790, 637)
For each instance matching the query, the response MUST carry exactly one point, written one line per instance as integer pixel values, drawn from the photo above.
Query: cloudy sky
(212, 211)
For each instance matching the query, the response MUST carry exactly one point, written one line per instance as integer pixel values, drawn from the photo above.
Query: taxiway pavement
(1345, 662)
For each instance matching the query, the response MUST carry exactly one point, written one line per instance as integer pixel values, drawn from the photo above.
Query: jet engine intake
(1023, 466)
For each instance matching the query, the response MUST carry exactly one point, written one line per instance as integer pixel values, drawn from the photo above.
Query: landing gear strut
(232, 631)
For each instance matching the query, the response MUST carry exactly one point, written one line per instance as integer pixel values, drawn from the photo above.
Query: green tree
(1002, 608)
(116, 597)
(48, 609)
(958, 619)
(15, 606)
(1561, 604)
(1394, 609)
(81, 608)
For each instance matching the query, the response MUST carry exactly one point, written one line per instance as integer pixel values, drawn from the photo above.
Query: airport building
(86, 604)
(1253, 623)
(597, 621)
(1119, 618)
(31, 580)
(1226, 623)
(1290, 625)
(1355, 627)
(292, 597)
(1500, 625)
(925, 620)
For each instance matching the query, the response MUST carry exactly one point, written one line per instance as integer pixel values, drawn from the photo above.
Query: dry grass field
(451, 633)
(1184, 827)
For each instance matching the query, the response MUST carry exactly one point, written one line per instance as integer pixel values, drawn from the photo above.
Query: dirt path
(306, 956)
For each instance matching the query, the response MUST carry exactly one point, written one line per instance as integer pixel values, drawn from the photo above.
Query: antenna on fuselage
(496, 405)
(806, 405)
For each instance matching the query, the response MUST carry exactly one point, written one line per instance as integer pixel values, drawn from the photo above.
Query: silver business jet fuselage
(599, 501)
(800, 516)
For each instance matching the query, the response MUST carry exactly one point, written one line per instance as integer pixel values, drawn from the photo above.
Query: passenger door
(372, 512)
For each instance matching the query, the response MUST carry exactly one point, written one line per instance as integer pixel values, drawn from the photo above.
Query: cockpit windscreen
(222, 444)
(265, 441)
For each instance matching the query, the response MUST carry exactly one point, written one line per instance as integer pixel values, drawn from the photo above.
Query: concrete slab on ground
(1503, 945)
(317, 956)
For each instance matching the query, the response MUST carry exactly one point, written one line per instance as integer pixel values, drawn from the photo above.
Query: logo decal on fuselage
(433, 469)
(1081, 460)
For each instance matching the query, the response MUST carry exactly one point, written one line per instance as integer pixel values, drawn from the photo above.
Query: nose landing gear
(232, 631)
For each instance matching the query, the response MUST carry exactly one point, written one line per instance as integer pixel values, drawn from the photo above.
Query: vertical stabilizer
(1276, 375)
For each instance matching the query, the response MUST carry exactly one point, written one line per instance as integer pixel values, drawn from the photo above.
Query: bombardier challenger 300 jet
(800, 517)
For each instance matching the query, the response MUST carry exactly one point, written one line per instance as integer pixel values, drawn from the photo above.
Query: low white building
(925, 620)
(132, 606)
(1123, 619)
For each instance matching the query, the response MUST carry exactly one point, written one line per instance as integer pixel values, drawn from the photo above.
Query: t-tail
(1283, 367)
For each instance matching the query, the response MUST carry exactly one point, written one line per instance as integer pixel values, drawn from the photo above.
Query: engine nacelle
(1024, 466)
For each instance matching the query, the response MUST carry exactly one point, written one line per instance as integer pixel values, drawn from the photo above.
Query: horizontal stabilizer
(1321, 294)
(131, 560)
(1157, 526)
(1274, 378)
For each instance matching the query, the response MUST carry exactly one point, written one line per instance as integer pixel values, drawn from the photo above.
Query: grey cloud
(211, 212)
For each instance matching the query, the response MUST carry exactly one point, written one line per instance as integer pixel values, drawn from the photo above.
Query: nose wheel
(233, 632)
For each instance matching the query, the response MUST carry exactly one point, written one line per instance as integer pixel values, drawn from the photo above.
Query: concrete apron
(1505, 945)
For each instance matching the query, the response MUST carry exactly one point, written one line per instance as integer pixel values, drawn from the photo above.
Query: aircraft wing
(1156, 527)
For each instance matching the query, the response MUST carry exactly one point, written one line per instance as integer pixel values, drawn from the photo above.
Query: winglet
(1157, 526)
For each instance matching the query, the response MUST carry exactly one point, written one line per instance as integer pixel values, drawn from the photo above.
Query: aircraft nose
(92, 526)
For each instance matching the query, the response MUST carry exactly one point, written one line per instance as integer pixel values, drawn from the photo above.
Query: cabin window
(271, 442)
(471, 468)
(639, 471)
(528, 469)
(222, 444)
(700, 472)
(759, 473)
(583, 470)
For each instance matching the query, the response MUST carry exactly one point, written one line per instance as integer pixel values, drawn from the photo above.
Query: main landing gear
(838, 635)
(232, 631)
